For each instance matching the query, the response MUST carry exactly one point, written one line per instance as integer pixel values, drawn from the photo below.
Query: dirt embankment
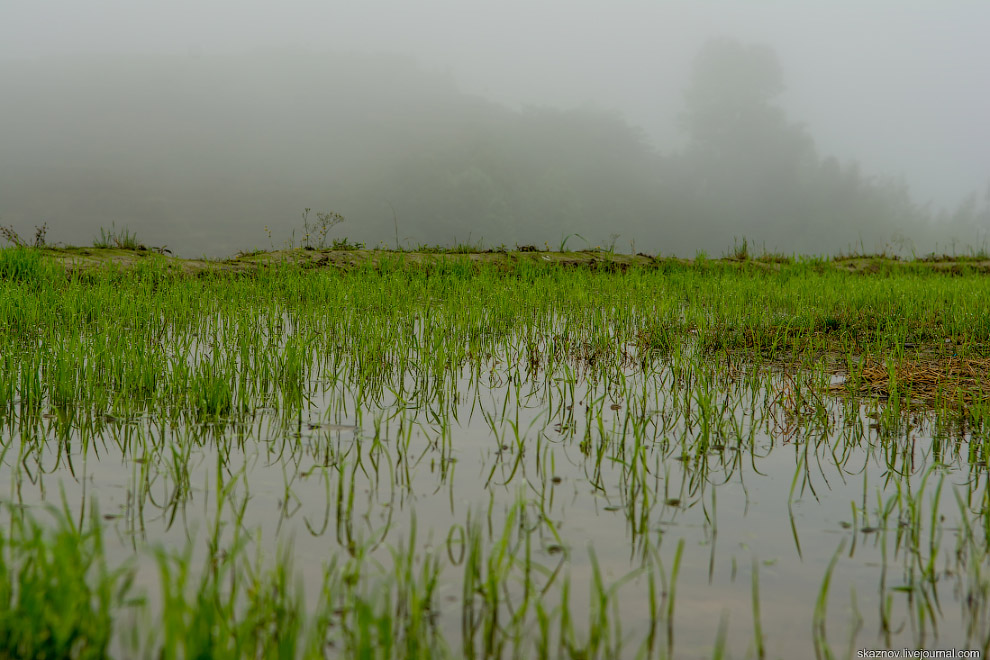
(82, 259)
(88, 259)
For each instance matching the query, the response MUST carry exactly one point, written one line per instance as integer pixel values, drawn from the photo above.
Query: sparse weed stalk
(10, 235)
(325, 221)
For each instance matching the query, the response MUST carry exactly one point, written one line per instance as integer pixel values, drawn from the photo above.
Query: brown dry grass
(929, 380)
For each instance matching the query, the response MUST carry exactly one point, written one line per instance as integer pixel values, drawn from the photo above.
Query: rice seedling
(58, 598)
(445, 456)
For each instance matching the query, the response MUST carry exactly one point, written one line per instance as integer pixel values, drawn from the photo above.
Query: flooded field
(493, 460)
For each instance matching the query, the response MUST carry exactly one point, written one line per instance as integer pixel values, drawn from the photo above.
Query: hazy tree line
(202, 153)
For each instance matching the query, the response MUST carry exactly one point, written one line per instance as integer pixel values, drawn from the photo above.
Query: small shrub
(114, 238)
(325, 221)
(740, 250)
(39, 235)
(345, 244)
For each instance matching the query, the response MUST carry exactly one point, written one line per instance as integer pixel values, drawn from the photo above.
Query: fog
(656, 127)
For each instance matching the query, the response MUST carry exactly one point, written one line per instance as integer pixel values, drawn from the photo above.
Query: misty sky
(899, 86)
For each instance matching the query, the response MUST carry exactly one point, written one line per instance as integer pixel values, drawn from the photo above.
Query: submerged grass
(411, 456)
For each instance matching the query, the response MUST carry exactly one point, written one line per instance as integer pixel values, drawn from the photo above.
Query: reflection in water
(704, 501)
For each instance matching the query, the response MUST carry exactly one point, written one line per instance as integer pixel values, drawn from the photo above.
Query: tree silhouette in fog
(750, 171)
(745, 164)
(144, 146)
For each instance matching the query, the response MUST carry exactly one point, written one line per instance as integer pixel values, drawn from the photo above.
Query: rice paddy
(513, 455)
